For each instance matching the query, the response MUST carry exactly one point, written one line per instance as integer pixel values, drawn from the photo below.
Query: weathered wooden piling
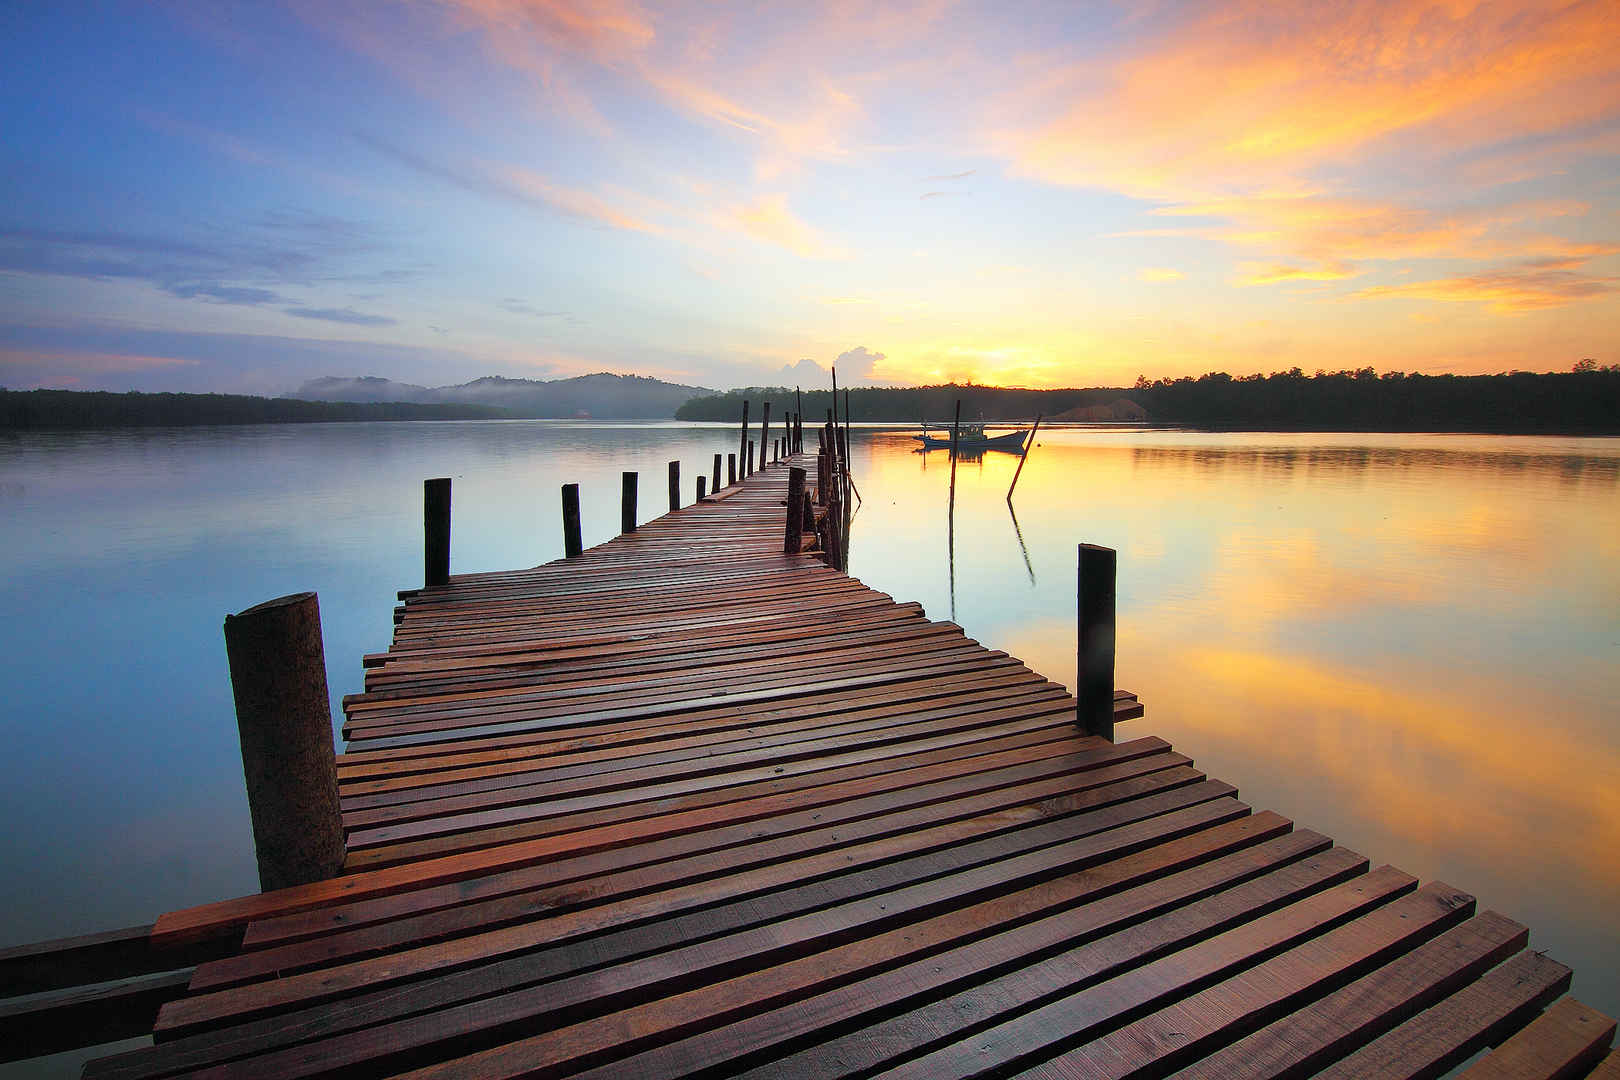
(627, 503)
(795, 511)
(674, 486)
(436, 531)
(284, 717)
(714, 485)
(764, 437)
(731, 470)
(1095, 653)
(702, 493)
(750, 471)
(742, 445)
(572, 542)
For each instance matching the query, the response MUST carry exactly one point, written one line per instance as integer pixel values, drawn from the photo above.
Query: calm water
(1407, 642)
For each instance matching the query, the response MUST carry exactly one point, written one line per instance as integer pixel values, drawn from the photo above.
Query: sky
(241, 196)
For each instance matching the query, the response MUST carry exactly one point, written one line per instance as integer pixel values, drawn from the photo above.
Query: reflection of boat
(971, 439)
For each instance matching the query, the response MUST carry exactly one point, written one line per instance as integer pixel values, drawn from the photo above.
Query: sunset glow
(244, 196)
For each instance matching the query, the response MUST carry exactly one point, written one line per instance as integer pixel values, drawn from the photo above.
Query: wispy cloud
(769, 221)
(1276, 273)
(340, 315)
(1536, 284)
(1159, 274)
(950, 176)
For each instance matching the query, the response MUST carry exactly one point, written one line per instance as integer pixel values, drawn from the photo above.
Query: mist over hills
(602, 396)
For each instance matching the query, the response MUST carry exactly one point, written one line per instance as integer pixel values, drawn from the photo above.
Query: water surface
(1408, 642)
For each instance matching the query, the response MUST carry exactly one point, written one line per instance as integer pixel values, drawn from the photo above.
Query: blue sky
(243, 196)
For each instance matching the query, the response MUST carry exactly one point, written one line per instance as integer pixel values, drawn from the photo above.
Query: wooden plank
(1564, 1042)
(1181, 1032)
(49, 1023)
(1484, 1012)
(723, 875)
(1072, 1019)
(1012, 862)
(1310, 1038)
(363, 1013)
(92, 958)
(1211, 896)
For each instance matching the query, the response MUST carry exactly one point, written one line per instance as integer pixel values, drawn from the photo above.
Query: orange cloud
(1259, 274)
(1537, 284)
(770, 221)
(1262, 89)
(573, 202)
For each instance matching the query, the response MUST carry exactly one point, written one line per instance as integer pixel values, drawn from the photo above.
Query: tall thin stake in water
(950, 514)
(1023, 457)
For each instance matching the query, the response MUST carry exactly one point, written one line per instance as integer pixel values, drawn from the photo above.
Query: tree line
(94, 408)
(1585, 400)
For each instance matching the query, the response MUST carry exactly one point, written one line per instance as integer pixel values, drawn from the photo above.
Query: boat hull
(1013, 440)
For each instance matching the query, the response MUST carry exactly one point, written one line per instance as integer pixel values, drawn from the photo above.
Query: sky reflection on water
(1407, 642)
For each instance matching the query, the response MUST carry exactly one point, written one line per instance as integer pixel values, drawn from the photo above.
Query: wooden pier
(685, 805)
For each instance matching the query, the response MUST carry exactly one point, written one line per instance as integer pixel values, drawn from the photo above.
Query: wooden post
(809, 512)
(956, 425)
(750, 471)
(1095, 655)
(714, 485)
(742, 446)
(284, 717)
(674, 486)
(701, 492)
(731, 469)
(795, 512)
(798, 418)
(835, 531)
(627, 504)
(572, 544)
(1023, 457)
(436, 531)
(764, 436)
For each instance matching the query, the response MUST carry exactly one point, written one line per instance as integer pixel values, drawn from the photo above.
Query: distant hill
(25, 409)
(601, 396)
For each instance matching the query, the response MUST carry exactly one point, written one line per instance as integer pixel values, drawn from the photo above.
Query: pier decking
(685, 805)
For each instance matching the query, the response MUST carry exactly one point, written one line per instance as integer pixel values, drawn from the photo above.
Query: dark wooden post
(436, 531)
(956, 425)
(750, 471)
(1095, 655)
(809, 512)
(674, 486)
(627, 504)
(764, 435)
(834, 532)
(742, 445)
(714, 485)
(798, 417)
(731, 469)
(572, 544)
(1030, 441)
(284, 716)
(795, 511)
(702, 480)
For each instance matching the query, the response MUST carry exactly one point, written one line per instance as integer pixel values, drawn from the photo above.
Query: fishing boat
(971, 439)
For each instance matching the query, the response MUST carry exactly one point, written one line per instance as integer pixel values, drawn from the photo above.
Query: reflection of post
(1095, 655)
(1023, 457)
(950, 513)
(1021, 547)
